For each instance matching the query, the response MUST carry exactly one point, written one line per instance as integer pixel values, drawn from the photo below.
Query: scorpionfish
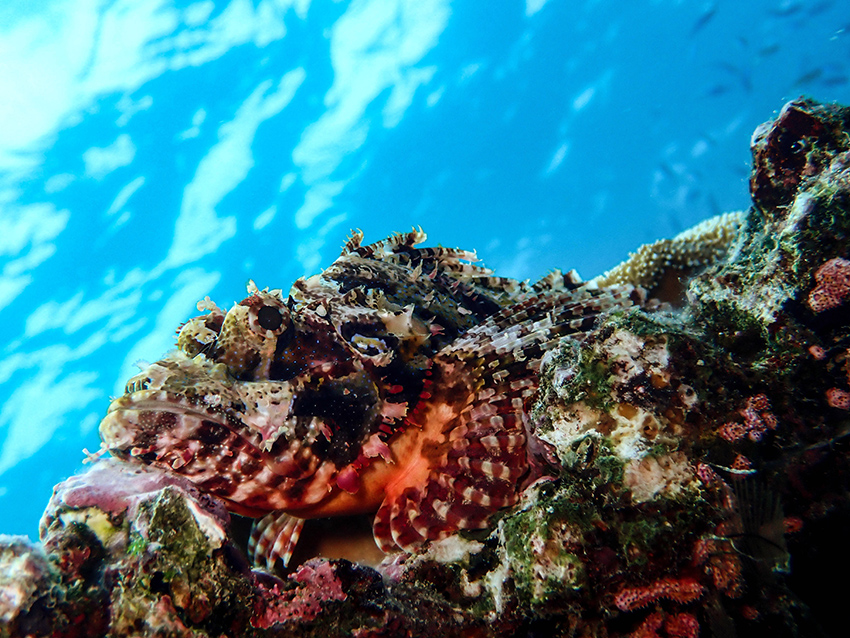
(396, 382)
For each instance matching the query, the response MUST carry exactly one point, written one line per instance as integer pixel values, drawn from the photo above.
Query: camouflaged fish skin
(397, 381)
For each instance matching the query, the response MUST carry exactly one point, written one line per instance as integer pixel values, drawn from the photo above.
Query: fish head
(262, 405)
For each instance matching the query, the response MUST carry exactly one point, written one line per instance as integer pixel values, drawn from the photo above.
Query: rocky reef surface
(699, 487)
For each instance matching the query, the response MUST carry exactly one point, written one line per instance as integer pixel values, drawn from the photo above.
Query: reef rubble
(699, 456)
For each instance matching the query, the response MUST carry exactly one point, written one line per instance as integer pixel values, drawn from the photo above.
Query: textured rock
(696, 483)
(26, 595)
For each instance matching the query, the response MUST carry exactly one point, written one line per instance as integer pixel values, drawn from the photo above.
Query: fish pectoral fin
(486, 378)
(274, 537)
(479, 476)
(478, 472)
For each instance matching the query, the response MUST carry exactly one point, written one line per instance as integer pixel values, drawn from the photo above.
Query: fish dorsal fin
(474, 407)
(523, 328)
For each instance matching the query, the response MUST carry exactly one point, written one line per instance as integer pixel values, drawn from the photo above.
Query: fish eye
(269, 318)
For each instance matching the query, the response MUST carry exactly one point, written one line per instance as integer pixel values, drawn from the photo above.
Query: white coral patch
(452, 549)
(208, 524)
(629, 434)
(571, 425)
(648, 477)
(630, 356)
(631, 431)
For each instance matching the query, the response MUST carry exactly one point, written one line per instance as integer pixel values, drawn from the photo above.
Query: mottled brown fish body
(397, 382)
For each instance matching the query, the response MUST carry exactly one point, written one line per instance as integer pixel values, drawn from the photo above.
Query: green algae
(178, 580)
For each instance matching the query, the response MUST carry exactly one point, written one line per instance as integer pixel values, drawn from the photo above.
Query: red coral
(706, 475)
(683, 625)
(833, 285)
(742, 463)
(680, 590)
(725, 571)
(792, 524)
(317, 584)
(732, 431)
(721, 563)
(703, 548)
(650, 626)
(749, 612)
(838, 398)
(757, 421)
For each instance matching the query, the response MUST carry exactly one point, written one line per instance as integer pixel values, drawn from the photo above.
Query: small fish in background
(719, 90)
(708, 13)
(739, 73)
(820, 7)
(768, 50)
(809, 77)
(835, 74)
(786, 8)
(828, 75)
(835, 80)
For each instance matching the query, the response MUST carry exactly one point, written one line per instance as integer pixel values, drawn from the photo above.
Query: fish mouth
(150, 423)
(172, 432)
(206, 445)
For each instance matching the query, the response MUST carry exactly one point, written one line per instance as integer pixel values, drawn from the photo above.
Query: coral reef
(691, 249)
(695, 476)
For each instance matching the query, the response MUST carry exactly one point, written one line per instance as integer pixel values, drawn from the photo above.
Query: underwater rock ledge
(700, 472)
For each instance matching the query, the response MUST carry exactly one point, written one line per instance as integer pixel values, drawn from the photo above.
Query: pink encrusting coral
(317, 584)
(758, 419)
(838, 398)
(833, 285)
(680, 590)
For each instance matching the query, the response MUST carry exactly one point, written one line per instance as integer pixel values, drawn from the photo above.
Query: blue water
(155, 152)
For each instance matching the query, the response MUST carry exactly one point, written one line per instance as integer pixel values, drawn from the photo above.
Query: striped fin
(399, 249)
(398, 242)
(486, 380)
(525, 329)
(274, 537)
(557, 280)
(482, 463)
(352, 243)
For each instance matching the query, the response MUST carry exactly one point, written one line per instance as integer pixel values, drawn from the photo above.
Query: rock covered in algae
(697, 478)
(26, 588)
(132, 551)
